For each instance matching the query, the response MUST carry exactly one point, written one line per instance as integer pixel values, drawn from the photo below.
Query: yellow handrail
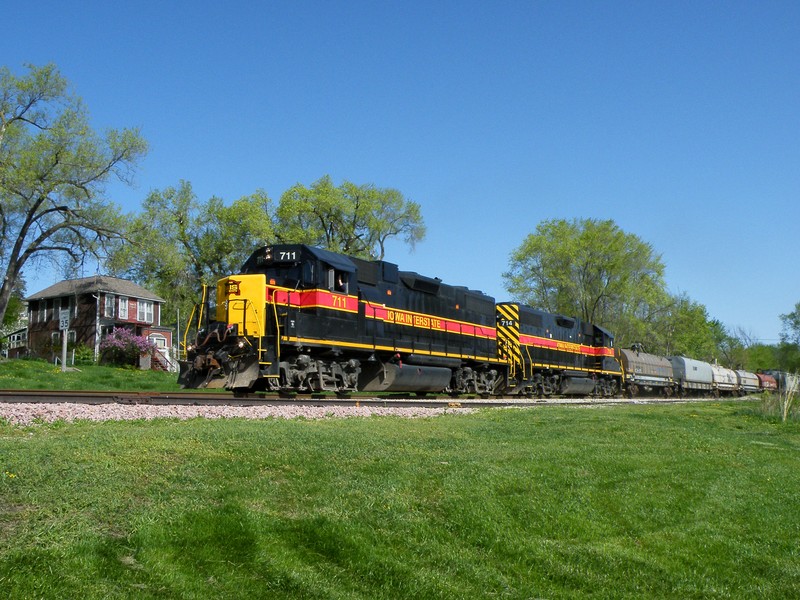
(186, 331)
(189, 320)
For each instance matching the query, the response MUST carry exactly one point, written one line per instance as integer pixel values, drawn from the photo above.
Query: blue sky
(678, 120)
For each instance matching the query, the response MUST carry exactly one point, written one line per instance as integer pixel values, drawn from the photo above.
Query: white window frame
(144, 311)
(158, 340)
(108, 308)
(18, 340)
(123, 308)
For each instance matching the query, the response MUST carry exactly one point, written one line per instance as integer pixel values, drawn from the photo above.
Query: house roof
(98, 283)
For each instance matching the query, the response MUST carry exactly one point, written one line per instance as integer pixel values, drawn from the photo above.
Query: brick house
(96, 305)
(15, 344)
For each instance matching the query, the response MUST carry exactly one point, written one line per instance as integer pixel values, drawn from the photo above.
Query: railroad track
(222, 399)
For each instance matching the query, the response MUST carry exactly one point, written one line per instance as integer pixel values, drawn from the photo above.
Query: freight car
(646, 373)
(767, 382)
(785, 382)
(302, 319)
(747, 383)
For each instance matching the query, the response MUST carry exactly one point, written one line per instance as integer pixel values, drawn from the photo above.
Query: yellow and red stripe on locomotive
(302, 319)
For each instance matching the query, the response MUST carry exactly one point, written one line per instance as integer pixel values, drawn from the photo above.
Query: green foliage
(791, 326)
(780, 406)
(788, 357)
(352, 219)
(593, 270)
(689, 331)
(789, 348)
(84, 355)
(179, 243)
(15, 307)
(53, 168)
(761, 357)
(629, 502)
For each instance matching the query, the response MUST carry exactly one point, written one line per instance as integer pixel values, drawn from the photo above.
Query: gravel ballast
(31, 414)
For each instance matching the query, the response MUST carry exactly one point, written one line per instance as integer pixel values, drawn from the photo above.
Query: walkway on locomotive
(314, 295)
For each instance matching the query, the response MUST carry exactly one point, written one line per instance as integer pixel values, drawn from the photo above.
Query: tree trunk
(5, 291)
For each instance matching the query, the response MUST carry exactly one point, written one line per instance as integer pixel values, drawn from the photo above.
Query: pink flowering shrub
(123, 347)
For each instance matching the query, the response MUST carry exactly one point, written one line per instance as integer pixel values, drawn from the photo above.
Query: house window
(145, 311)
(42, 311)
(109, 309)
(159, 340)
(123, 308)
(18, 340)
(55, 336)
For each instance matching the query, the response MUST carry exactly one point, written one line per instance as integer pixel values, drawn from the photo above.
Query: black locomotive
(302, 319)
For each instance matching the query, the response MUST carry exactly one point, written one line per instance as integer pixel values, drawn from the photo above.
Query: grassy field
(681, 501)
(40, 375)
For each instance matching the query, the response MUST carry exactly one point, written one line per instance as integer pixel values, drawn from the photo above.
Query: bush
(84, 355)
(780, 406)
(123, 347)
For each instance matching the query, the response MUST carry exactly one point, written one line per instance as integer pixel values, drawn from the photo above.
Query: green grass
(40, 375)
(682, 501)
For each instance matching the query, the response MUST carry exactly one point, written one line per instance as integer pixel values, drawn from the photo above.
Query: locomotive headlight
(241, 344)
(268, 254)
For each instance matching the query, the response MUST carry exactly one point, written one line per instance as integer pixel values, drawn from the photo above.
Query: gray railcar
(691, 375)
(725, 380)
(646, 372)
(748, 382)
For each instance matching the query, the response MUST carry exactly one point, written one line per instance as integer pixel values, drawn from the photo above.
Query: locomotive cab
(278, 301)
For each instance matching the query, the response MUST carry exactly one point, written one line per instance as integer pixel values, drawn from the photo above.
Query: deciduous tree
(177, 243)
(789, 348)
(590, 269)
(353, 219)
(53, 168)
(790, 331)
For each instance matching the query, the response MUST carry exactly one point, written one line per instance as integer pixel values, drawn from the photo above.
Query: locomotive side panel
(551, 354)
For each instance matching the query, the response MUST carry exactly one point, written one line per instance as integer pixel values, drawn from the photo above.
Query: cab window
(338, 281)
